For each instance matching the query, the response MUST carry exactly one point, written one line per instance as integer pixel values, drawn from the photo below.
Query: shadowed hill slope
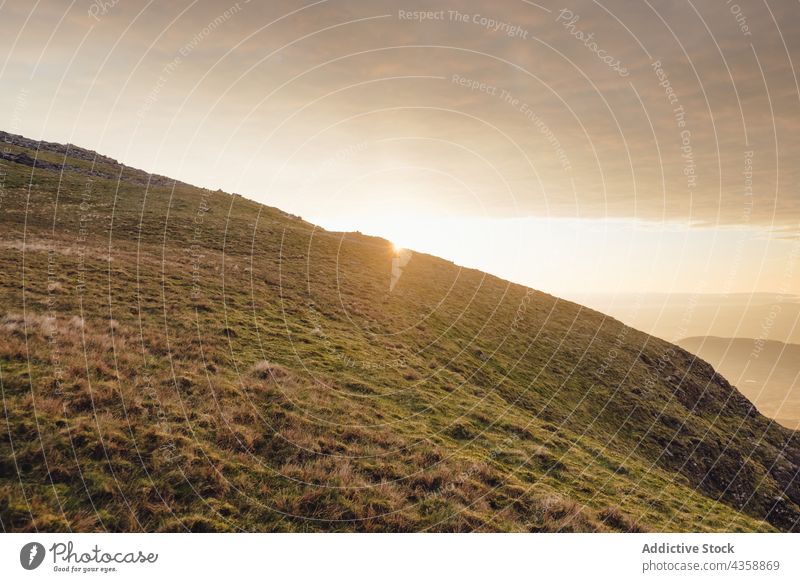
(174, 359)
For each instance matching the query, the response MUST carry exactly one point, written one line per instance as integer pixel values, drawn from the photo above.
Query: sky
(611, 146)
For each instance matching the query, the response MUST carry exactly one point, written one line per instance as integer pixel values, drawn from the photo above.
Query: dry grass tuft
(265, 370)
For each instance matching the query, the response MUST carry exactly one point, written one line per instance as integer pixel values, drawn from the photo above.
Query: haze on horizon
(658, 154)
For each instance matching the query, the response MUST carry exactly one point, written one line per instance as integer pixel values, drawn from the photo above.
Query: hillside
(676, 316)
(173, 358)
(767, 372)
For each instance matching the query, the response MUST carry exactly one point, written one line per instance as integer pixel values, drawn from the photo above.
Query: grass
(173, 359)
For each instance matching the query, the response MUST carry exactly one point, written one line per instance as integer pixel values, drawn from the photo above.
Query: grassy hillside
(178, 359)
(767, 372)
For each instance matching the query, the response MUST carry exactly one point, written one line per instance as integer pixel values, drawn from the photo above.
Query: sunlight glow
(572, 257)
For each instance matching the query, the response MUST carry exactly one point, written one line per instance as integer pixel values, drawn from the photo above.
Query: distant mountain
(767, 372)
(173, 358)
(769, 316)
